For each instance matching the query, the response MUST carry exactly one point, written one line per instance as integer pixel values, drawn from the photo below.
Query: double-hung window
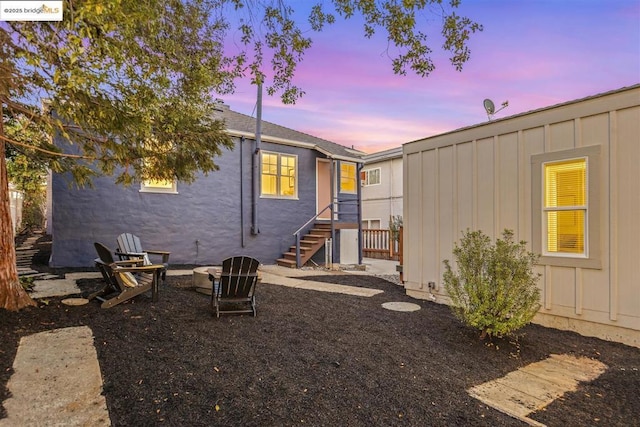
(279, 175)
(155, 185)
(370, 176)
(348, 177)
(565, 207)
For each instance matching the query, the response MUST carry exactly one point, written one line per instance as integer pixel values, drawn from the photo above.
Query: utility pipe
(241, 192)
(256, 164)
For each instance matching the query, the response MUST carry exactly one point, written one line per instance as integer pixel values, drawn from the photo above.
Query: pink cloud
(533, 54)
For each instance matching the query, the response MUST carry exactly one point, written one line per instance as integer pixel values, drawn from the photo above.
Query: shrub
(494, 288)
(395, 224)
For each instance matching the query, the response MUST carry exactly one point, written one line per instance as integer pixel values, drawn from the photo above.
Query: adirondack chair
(235, 290)
(129, 247)
(124, 279)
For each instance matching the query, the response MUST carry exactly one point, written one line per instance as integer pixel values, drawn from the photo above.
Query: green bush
(27, 283)
(494, 288)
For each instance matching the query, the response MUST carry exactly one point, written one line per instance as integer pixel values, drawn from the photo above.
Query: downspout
(256, 164)
(241, 192)
(331, 209)
(359, 206)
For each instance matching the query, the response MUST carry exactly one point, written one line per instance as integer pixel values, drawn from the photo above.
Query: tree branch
(45, 151)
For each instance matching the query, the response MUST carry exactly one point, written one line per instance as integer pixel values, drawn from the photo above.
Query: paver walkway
(56, 381)
(278, 276)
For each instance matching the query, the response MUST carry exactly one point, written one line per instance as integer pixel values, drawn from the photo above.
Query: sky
(532, 53)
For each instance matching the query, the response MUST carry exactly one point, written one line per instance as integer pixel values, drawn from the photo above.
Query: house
(566, 179)
(381, 180)
(299, 181)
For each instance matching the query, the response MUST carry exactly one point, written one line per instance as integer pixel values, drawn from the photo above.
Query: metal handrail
(297, 233)
(331, 208)
(312, 219)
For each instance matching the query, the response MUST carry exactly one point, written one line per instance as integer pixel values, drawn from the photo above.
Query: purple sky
(533, 53)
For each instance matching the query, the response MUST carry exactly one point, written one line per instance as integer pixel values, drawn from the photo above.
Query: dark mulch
(314, 358)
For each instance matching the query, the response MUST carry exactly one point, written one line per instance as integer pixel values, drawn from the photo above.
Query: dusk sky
(533, 53)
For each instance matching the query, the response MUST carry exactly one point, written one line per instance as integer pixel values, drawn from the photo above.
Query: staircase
(309, 245)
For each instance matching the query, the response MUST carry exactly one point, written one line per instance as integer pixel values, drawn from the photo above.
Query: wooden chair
(124, 279)
(129, 248)
(235, 290)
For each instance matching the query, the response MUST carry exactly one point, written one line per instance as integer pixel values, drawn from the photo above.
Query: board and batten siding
(482, 178)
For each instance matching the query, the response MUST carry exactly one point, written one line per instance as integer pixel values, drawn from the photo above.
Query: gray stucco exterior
(205, 222)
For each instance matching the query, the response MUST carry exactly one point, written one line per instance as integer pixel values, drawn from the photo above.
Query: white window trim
(591, 257)
(161, 190)
(366, 182)
(584, 208)
(368, 221)
(280, 196)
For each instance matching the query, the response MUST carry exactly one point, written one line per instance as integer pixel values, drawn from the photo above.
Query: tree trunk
(12, 295)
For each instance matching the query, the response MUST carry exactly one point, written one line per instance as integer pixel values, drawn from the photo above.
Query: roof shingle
(242, 124)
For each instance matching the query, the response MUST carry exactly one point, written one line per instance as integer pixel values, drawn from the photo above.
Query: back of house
(251, 206)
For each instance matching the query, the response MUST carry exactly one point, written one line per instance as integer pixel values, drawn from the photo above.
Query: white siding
(481, 178)
(381, 201)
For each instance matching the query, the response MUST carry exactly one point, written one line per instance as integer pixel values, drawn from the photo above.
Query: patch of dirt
(315, 358)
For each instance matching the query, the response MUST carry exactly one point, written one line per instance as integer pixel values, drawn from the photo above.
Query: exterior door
(323, 187)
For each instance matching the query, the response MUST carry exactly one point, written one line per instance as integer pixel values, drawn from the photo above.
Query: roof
(527, 113)
(380, 156)
(239, 124)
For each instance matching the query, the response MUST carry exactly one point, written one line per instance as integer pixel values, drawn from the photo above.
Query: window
(348, 177)
(370, 177)
(279, 172)
(371, 224)
(565, 207)
(155, 186)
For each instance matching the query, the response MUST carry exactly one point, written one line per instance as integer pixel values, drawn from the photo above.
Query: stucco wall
(202, 224)
(482, 178)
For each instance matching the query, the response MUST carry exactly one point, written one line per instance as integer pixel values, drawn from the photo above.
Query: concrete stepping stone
(56, 381)
(83, 275)
(401, 306)
(536, 385)
(54, 288)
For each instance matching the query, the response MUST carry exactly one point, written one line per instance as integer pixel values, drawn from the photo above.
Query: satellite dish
(489, 107)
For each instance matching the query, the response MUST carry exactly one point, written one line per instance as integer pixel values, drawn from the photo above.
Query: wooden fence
(378, 244)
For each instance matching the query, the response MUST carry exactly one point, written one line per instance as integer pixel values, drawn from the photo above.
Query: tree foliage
(27, 170)
(127, 83)
(131, 83)
(395, 224)
(494, 288)
(128, 86)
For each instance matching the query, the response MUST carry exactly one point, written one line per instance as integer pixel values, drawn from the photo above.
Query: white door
(348, 246)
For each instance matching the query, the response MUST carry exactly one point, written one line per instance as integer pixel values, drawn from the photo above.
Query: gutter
(293, 143)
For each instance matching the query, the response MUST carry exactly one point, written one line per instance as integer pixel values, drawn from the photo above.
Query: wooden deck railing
(378, 244)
